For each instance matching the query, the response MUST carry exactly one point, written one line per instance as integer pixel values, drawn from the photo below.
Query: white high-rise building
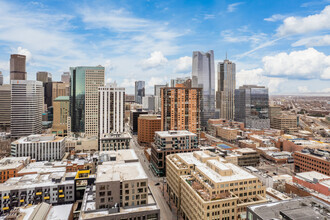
(112, 109)
(203, 76)
(26, 107)
(226, 89)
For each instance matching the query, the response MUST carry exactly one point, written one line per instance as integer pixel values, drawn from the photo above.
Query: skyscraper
(157, 94)
(44, 76)
(85, 82)
(112, 109)
(181, 108)
(139, 91)
(203, 76)
(1, 79)
(226, 89)
(17, 67)
(5, 102)
(26, 107)
(179, 81)
(251, 106)
(52, 90)
(65, 77)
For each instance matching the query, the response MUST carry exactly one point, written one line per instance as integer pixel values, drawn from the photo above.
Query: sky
(283, 45)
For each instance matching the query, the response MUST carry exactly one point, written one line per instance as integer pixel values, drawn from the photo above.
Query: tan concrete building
(274, 111)
(61, 112)
(228, 134)
(148, 125)
(202, 187)
(287, 123)
(247, 157)
(181, 108)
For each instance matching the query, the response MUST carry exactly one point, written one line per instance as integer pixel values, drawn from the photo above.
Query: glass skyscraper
(203, 76)
(251, 106)
(85, 82)
(139, 91)
(226, 89)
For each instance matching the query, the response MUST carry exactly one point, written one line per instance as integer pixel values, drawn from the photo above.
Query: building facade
(17, 67)
(170, 142)
(114, 141)
(1, 79)
(181, 108)
(203, 187)
(203, 76)
(148, 125)
(39, 147)
(226, 89)
(134, 116)
(84, 108)
(112, 109)
(150, 103)
(26, 108)
(61, 112)
(5, 107)
(251, 106)
(312, 160)
(65, 77)
(44, 76)
(139, 91)
(286, 123)
(10, 166)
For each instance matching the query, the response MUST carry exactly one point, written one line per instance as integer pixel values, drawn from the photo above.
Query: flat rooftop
(180, 133)
(39, 138)
(120, 172)
(312, 175)
(8, 163)
(125, 155)
(302, 208)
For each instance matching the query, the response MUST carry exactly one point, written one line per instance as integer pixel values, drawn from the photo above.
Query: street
(165, 212)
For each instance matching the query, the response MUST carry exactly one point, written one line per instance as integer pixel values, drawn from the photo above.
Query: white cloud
(155, 60)
(326, 90)
(303, 89)
(243, 35)
(276, 17)
(209, 16)
(313, 41)
(183, 64)
(303, 64)
(302, 25)
(233, 7)
(127, 83)
(156, 81)
(257, 77)
(25, 52)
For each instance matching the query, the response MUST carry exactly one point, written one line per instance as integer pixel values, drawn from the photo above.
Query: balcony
(60, 191)
(38, 193)
(5, 208)
(46, 197)
(6, 197)
(22, 200)
(61, 196)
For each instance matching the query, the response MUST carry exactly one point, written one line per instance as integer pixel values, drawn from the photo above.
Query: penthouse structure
(181, 108)
(10, 166)
(120, 192)
(39, 147)
(26, 108)
(203, 187)
(312, 160)
(170, 142)
(148, 125)
(54, 188)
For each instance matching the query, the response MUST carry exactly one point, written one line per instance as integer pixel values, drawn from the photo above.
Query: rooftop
(312, 176)
(36, 138)
(120, 172)
(8, 163)
(62, 98)
(123, 156)
(302, 208)
(182, 133)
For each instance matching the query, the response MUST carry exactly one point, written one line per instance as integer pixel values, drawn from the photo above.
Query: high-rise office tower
(203, 76)
(5, 100)
(1, 79)
(157, 93)
(17, 67)
(84, 107)
(181, 108)
(150, 103)
(179, 81)
(251, 106)
(44, 76)
(52, 90)
(65, 77)
(61, 112)
(112, 109)
(26, 107)
(139, 91)
(226, 89)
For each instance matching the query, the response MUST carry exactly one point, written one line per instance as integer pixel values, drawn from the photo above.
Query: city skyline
(154, 41)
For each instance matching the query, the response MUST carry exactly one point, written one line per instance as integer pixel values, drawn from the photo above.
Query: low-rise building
(120, 192)
(228, 134)
(10, 166)
(275, 155)
(287, 123)
(314, 180)
(39, 147)
(170, 142)
(81, 144)
(312, 160)
(148, 125)
(54, 188)
(203, 187)
(114, 141)
(247, 157)
(298, 144)
(299, 208)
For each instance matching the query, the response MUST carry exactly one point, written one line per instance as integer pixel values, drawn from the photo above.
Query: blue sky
(283, 45)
